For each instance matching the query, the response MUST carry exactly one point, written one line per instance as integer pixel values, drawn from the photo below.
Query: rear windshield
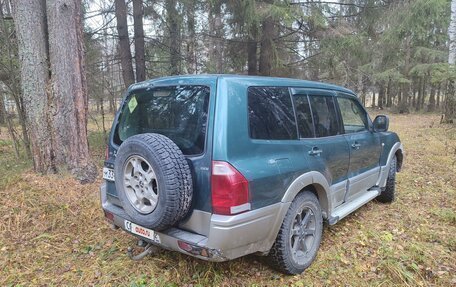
(179, 113)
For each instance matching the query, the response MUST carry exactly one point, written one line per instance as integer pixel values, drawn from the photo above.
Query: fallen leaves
(53, 232)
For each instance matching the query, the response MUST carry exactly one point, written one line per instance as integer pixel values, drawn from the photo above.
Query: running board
(348, 207)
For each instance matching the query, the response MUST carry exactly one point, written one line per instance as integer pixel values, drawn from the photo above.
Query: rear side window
(271, 115)
(303, 116)
(324, 116)
(178, 112)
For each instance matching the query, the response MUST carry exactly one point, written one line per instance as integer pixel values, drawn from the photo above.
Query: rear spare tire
(153, 180)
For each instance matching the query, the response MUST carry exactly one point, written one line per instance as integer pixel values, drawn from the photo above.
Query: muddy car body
(259, 164)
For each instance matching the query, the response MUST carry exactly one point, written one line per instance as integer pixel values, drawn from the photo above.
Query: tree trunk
(191, 41)
(216, 41)
(140, 58)
(31, 30)
(438, 96)
(2, 104)
(406, 87)
(23, 122)
(252, 48)
(14, 76)
(431, 106)
(420, 95)
(124, 43)
(381, 96)
(112, 104)
(373, 99)
(267, 44)
(423, 93)
(9, 125)
(174, 37)
(450, 99)
(69, 88)
(389, 95)
(2, 109)
(364, 89)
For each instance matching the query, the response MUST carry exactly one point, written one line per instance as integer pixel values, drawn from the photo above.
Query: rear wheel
(299, 237)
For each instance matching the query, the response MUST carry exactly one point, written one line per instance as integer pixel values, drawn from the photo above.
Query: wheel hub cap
(302, 235)
(140, 184)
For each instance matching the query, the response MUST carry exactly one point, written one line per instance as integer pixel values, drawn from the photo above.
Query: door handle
(356, 145)
(315, 151)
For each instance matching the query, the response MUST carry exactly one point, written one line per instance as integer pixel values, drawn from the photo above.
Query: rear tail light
(193, 249)
(230, 189)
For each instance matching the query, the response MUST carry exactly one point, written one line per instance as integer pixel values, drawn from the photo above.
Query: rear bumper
(228, 237)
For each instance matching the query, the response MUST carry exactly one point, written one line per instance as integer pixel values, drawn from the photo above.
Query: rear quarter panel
(269, 165)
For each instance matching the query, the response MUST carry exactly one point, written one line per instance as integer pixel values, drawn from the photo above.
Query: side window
(324, 116)
(303, 116)
(353, 116)
(271, 114)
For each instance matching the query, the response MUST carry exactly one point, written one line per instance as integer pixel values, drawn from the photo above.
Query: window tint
(271, 114)
(324, 116)
(179, 113)
(303, 116)
(353, 116)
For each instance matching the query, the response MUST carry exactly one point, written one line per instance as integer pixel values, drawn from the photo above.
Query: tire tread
(177, 175)
(388, 193)
(279, 256)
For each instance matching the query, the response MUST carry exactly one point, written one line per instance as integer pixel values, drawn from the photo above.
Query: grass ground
(52, 230)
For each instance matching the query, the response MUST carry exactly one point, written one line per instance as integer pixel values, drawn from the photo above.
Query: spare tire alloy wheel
(140, 184)
(153, 181)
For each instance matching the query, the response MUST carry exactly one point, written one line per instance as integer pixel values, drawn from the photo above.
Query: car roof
(244, 79)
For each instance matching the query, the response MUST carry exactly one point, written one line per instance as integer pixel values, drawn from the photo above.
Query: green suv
(221, 166)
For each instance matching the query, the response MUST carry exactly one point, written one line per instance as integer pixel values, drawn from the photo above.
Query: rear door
(325, 146)
(364, 146)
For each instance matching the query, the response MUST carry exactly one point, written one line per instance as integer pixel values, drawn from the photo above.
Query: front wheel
(388, 193)
(299, 237)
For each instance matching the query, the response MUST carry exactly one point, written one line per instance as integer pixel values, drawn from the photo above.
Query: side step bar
(348, 207)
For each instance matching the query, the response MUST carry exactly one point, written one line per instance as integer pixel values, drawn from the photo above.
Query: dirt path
(52, 231)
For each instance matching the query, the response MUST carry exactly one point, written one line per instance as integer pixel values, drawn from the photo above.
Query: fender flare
(318, 181)
(384, 169)
(321, 186)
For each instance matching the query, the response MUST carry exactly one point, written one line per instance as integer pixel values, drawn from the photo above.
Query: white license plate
(108, 173)
(142, 231)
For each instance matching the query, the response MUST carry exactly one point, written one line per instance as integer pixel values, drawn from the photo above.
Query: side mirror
(381, 123)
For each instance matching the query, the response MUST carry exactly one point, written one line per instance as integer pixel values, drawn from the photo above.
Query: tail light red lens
(193, 249)
(230, 189)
